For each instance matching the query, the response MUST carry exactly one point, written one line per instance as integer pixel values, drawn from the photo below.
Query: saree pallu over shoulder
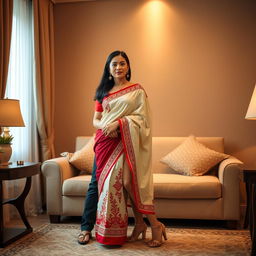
(133, 114)
(120, 93)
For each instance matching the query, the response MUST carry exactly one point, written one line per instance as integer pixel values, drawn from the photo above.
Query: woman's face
(118, 67)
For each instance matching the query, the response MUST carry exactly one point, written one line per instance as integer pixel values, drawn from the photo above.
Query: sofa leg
(54, 218)
(232, 224)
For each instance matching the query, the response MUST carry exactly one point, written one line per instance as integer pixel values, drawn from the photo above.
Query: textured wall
(196, 60)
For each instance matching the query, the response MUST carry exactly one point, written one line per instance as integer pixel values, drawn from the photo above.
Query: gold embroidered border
(119, 94)
(101, 230)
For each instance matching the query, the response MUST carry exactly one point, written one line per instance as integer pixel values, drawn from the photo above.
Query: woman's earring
(127, 76)
(110, 77)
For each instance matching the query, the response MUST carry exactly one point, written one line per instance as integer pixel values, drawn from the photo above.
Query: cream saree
(133, 149)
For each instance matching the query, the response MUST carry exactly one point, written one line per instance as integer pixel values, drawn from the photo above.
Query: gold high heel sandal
(157, 243)
(138, 229)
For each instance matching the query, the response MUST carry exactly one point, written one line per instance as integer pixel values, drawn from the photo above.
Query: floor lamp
(10, 116)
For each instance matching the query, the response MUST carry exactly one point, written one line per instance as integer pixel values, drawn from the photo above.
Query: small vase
(5, 153)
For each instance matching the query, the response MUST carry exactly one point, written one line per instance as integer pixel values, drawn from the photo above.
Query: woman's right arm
(96, 120)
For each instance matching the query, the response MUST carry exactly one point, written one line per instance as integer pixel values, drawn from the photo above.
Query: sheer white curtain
(20, 86)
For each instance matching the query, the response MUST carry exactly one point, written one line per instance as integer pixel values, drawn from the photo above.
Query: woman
(123, 156)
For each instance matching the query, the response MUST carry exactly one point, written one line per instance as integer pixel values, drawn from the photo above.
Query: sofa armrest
(55, 171)
(229, 176)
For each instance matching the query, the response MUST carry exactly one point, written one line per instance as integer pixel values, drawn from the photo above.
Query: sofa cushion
(83, 158)
(192, 158)
(161, 146)
(175, 186)
(168, 186)
(76, 186)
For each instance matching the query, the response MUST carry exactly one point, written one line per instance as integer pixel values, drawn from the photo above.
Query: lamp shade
(10, 114)
(251, 112)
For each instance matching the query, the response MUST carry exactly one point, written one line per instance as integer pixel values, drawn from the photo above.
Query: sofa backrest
(161, 146)
(81, 141)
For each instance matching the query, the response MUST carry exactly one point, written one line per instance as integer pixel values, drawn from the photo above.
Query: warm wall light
(155, 19)
(155, 16)
(251, 112)
(10, 116)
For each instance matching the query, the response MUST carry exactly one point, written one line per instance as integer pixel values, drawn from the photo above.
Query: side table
(12, 172)
(250, 215)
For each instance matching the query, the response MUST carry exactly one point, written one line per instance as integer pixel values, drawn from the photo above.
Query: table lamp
(10, 116)
(251, 112)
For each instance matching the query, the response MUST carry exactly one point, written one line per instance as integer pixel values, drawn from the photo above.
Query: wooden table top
(14, 171)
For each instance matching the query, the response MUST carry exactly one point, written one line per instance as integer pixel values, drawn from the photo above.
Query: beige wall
(196, 60)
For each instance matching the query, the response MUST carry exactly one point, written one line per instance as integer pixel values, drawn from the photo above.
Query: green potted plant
(5, 149)
(6, 139)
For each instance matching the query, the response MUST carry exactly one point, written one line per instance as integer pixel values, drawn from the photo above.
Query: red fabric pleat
(103, 148)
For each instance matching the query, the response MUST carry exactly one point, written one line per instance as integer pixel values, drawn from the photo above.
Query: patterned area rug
(60, 240)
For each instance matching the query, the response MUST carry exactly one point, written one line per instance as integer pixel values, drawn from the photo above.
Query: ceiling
(70, 1)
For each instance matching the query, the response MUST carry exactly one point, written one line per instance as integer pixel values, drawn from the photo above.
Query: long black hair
(105, 84)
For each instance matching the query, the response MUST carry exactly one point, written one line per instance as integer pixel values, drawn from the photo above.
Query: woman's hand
(111, 129)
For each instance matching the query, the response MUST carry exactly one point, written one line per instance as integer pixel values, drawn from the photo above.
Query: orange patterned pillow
(82, 159)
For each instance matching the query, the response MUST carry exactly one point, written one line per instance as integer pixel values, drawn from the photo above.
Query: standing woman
(123, 156)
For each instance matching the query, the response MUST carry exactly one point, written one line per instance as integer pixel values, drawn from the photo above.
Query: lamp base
(6, 132)
(5, 154)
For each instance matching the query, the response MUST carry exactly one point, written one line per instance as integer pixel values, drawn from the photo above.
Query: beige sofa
(176, 196)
